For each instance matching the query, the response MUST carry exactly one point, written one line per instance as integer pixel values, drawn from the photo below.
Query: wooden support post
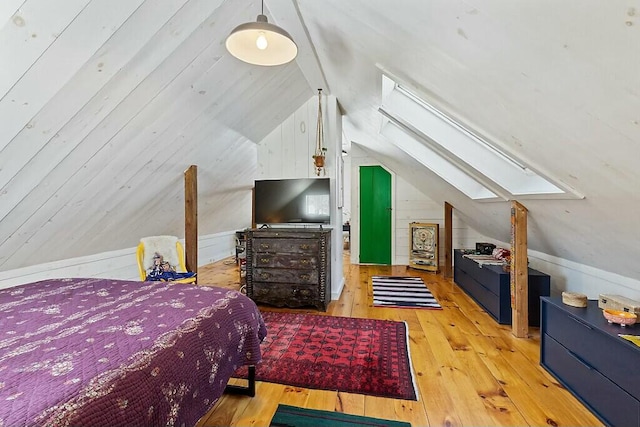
(191, 218)
(519, 271)
(448, 239)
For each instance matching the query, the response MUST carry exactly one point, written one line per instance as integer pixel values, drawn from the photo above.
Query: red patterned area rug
(365, 356)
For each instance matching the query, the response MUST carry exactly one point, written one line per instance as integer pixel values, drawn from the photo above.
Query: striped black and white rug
(393, 291)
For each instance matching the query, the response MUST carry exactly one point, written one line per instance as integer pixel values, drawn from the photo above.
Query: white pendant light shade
(261, 43)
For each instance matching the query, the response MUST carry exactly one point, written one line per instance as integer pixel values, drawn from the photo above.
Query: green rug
(292, 416)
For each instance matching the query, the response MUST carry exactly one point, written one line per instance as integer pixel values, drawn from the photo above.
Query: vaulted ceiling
(104, 103)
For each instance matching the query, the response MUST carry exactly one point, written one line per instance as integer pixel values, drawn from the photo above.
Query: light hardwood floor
(469, 370)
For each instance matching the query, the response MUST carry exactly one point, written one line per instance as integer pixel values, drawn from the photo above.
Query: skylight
(456, 153)
(434, 161)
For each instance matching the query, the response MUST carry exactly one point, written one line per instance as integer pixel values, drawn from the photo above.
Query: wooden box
(618, 302)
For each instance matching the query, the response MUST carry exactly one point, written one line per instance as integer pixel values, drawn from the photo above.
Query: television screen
(285, 201)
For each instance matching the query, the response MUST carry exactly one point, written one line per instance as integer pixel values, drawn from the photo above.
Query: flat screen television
(287, 201)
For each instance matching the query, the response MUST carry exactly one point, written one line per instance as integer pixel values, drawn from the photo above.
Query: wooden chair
(169, 247)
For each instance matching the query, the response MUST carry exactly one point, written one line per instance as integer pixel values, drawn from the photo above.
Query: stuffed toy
(162, 271)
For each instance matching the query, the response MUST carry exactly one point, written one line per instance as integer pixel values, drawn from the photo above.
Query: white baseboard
(120, 264)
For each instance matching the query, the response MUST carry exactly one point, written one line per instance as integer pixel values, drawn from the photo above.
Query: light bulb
(261, 42)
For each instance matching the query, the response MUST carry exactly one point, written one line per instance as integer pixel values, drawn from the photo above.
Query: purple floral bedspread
(97, 352)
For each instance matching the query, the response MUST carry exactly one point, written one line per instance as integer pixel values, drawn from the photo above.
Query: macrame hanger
(318, 158)
(320, 132)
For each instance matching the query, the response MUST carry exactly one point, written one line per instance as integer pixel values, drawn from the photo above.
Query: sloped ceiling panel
(106, 104)
(550, 83)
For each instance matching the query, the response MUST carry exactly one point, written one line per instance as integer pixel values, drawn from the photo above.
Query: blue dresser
(583, 351)
(490, 287)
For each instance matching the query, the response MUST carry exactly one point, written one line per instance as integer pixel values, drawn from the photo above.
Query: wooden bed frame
(249, 389)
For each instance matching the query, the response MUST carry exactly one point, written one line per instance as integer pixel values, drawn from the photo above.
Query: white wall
(412, 206)
(120, 264)
(287, 153)
(573, 277)
(408, 204)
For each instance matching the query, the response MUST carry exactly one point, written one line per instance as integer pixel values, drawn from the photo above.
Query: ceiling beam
(286, 14)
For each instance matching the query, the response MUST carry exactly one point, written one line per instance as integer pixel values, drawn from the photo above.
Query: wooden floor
(469, 370)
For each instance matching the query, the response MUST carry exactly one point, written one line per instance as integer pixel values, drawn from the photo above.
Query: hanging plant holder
(318, 161)
(319, 156)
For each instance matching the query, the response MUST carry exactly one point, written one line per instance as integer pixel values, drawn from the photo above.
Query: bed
(80, 352)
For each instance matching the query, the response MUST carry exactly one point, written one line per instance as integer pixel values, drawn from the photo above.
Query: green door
(375, 215)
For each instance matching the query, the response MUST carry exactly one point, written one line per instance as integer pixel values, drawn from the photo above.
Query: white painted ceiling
(104, 104)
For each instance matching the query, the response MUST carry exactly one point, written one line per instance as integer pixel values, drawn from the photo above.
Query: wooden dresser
(584, 352)
(289, 267)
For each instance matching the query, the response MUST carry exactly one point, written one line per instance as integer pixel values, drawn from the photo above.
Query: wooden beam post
(519, 271)
(448, 239)
(191, 218)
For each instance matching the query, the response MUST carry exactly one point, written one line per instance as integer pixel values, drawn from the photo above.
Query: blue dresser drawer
(487, 300)
(489, 275)
(612, 356)
(608, 401)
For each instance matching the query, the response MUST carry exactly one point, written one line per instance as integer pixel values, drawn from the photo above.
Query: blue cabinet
(489, 286)
(583, 351)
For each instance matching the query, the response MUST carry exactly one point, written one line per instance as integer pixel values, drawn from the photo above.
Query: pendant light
(261, 43)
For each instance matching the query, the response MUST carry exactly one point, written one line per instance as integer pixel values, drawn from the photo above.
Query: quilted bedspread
(97, 352)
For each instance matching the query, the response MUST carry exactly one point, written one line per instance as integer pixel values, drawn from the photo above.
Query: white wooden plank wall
(27, 34)
(130, 107)
(413, 206)
(286, 152)
(8, 8)
(120, 264)
(33, 157)
(465, 237)
(49, 74)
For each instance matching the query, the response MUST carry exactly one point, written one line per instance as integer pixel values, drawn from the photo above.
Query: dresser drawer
(285, 294)
(285, 261)
(487, 299)
(608, 401)
(283, 275)
(612, 356)
(463, 263)
(489, 275)
(301, 246)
